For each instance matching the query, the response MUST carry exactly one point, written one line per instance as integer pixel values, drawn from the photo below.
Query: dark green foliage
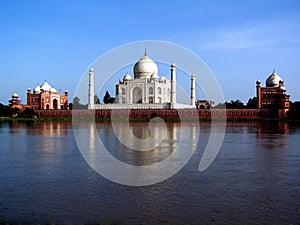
(77, 105)
(27, 113)
(234, 104)
(5, 111)
(294, 112)
(107, 98)
(76, 101)
(252, 103)
(237, 104)
(96, 100)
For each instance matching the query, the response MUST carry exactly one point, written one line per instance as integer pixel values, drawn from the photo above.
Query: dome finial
(145, 54)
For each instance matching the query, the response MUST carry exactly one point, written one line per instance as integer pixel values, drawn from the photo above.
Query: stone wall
(163, 113)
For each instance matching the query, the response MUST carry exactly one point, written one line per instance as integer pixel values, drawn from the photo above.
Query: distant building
(15, 102)
(145, 90)
(273, 96)
(46, 97)
(204, 104)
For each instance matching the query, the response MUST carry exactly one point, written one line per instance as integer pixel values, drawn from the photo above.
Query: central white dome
(144, 68)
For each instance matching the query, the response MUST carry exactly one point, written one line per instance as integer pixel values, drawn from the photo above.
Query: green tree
(5, 110)
(237, 104)
(252, 103)
(96, 100)
(220, 106)
(107, 98)
(77, 104)
(27, 113)
(76, 101)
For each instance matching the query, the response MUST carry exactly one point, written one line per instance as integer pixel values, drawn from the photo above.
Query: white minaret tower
(193, 93)
(173, 85)
(91, 104)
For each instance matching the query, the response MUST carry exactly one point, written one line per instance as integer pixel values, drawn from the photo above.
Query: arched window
(123, 91)
(150, 90)
(123, 100)
(150, 99)
(47, 106)
(159, 90)
(55, 104)
(159, 100)
(137, 95)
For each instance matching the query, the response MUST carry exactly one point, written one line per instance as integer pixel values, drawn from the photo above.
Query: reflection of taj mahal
(145, 90)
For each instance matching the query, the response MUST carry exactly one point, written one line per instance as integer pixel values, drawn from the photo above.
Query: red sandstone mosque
(273, 96)
(43, 97)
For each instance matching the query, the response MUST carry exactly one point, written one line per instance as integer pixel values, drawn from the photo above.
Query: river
(45, 178)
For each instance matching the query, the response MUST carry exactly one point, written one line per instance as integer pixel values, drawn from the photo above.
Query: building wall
(166, 113)
(47, 100)
(131, 91)
(272, 97)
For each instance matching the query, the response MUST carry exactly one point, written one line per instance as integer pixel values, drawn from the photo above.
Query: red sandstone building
(46, 97)
(272, 96)
(15, 102)
(42, 97)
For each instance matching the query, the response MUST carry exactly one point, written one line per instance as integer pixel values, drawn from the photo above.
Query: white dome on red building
(273, 80)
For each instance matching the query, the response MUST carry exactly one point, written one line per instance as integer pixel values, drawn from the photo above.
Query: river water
(45, 179)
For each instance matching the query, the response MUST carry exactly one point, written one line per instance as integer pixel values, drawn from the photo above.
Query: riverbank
(144, 119)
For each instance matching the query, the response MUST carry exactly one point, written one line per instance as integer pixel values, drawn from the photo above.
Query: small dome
(144, 68)
(163, 78)
(45, 86)
(15, 95)
(154, 76)
(127, 77)
(273, 80)
(281, 88)
(53, 89)
(37, 89)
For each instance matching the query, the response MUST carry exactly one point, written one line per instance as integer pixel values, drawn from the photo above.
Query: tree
(27, 113)
(252, 103)
(107, 98)
(237, 104)
(96, 100)
(5, 110)
(76, 101)
(220, 106)
(77, 104)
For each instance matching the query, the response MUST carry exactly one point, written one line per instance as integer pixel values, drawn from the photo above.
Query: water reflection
(45, 128)
(273, 135)
(102, 147)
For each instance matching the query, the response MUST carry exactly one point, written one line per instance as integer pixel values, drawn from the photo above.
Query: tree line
(237, 104)
(107, 99)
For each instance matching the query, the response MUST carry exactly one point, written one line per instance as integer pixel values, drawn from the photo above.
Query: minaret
(193, 93)
(258, 93)
(173, 85)
(91, 104)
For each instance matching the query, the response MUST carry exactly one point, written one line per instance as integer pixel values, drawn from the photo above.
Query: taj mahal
(145, 90)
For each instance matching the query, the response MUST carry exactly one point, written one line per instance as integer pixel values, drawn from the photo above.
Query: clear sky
(57, 40)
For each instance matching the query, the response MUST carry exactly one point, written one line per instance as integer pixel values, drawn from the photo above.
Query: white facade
(146, 87)
(145, 90)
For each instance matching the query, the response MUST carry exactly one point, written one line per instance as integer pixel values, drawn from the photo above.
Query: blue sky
(240, 41)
